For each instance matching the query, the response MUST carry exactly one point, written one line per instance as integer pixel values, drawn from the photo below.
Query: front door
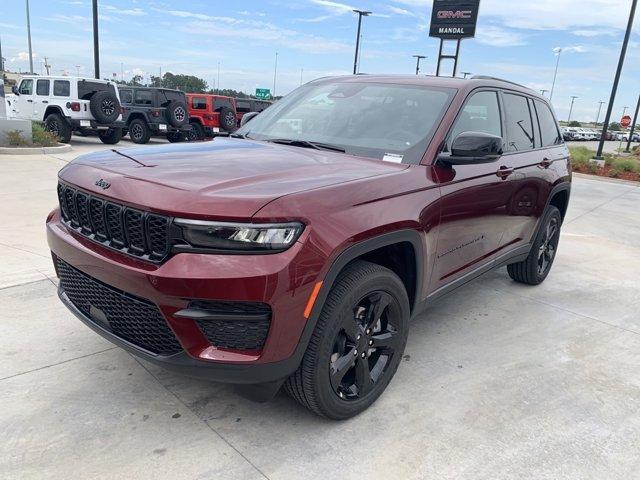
(475, 198)
(23, 103)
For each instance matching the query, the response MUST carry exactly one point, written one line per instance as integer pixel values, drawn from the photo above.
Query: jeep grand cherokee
(294, 253)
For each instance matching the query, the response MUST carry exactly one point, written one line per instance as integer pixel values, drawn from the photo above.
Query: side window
(126, 96)
(548, 126)
(144, 97)
(520, 135)
(481, 113)
(42, 87)
(61, 88)
(26, 87)
(219, 103)
(199, 103)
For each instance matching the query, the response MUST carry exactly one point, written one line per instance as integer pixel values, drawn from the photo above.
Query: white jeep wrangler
(70, 104)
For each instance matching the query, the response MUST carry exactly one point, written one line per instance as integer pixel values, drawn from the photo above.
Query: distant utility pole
(633, 127)
(361, 13)
(418, 58)
(573, 99)
(1, 57)
(543, 91)
(275, 73)
(465, 74)
(46, 65)
(600, 103)
(29, 38)
(96, 46)
(555, 74)
(78, 70)
(121, 72)
(616, 80)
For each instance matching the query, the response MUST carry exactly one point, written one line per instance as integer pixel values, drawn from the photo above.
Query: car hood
(225, 178)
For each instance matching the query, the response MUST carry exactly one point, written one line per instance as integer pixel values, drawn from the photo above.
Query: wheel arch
(51, 109)
(136, 116)
(560, 199)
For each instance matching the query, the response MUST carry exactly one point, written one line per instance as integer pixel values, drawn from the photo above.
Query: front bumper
(283, 280)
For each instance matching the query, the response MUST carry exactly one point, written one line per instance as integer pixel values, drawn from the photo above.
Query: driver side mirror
(473, 147)
(248, 117)
(15, 90)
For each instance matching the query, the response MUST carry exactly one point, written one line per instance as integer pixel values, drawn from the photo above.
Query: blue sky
(313, 38)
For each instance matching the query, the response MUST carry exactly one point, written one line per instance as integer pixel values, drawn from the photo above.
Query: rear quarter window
(199, 103)
(126, 96)
(61, 88)
(548, 127)
(167, 96)
(143, 97)
(86, 89)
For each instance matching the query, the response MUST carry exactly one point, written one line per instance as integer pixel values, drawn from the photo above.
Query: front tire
(357, 343)
(139, 132)
(57, 125)
(196, 133)
(535, 268)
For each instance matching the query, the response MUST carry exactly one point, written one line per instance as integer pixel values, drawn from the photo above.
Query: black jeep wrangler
(154, 111)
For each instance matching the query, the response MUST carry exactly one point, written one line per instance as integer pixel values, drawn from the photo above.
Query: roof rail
(488, 77)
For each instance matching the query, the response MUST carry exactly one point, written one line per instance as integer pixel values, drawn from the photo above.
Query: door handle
(546, 163)
(503, 172)
(30, 101)
(45, 101)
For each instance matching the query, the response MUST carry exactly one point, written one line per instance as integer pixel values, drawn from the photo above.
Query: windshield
(375, 120)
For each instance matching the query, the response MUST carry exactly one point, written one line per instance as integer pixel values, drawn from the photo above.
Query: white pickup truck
(69, 104)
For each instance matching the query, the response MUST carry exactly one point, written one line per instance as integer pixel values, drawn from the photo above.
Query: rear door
(41, 100)
(475, 197)
(534, 144)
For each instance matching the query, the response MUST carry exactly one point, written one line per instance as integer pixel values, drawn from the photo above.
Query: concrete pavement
(499, 380)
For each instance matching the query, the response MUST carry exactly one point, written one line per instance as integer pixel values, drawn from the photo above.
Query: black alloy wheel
(108, 107)
(547, 249)
(356, 345)
(364, 346)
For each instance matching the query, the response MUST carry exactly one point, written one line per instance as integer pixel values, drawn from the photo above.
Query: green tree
(575, 123)
(615, 127)
(186, 83)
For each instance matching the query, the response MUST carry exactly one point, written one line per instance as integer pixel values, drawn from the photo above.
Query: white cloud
(499, 37)
(400, 11)
(340, 7)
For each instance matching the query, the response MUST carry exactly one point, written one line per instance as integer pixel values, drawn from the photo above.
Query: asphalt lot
(499, 381)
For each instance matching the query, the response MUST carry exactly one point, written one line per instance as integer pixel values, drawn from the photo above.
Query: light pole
(418, 58)
(1, 57)
(558, 50)
(275, 73)
(78, 70)
(543, 91)
(633, 126)
(600, 103)
(29, 39)
(96, 46)
(218, 82)
(616, 80)
(573, 99)
(361, 13)
(465, 74)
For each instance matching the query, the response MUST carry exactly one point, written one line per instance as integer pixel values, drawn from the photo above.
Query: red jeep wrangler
(210, 115)
(294, 252)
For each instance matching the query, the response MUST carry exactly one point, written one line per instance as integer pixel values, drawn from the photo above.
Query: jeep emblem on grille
(103, 184)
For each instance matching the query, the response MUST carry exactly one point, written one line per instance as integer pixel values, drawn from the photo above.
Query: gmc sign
(454, 19)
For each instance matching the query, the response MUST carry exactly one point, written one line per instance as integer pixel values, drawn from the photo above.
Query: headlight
(239, 236)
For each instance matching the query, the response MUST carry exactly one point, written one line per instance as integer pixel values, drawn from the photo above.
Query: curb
(61, 148)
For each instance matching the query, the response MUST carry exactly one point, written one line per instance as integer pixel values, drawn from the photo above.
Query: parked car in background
(576, 134)
(68, 104)
(634, 138)
(294, 253)
(247, 105)
(3, 101)
(588, 134)
(151, 112)
(210, 115)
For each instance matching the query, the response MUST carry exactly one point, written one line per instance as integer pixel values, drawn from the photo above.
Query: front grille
(131, 318)
(246, 332)
(134, 232)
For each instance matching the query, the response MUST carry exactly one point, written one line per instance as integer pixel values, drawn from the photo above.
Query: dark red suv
(295, 252)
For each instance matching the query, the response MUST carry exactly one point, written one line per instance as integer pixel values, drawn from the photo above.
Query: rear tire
(57, 125)
(177, 113)
(111, 136)
(196, 133)
(139, 132)
(366, 313)
(228, 120)
(175, 137)
(535, 268)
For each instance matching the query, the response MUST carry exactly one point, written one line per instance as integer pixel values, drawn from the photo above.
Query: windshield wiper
(306, 144)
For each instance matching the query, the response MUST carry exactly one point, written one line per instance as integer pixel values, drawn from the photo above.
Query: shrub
(581, 154)
(613, 173)
(626, 165)
(15, 139)
(41, 137)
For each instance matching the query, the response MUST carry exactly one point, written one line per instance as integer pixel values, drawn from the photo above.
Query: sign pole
(633, 127)
(616, 80)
